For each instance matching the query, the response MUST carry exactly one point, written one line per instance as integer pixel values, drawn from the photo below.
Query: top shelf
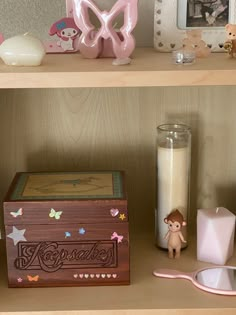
(148, 68)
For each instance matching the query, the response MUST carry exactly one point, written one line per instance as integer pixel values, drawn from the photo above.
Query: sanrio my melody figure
(67, 31)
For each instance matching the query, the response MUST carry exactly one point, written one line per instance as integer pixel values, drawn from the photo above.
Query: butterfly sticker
(67, 234)
(33, 278)
(17, 213)
(82, 231)
(55, 214)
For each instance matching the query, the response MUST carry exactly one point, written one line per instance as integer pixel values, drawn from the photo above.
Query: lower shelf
(146, 294)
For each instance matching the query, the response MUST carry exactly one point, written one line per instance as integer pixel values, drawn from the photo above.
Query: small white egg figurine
(22, 50)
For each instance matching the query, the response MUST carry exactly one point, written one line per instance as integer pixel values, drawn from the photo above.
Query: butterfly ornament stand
(92, 41)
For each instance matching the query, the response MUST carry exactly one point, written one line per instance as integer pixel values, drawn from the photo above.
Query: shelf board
(147, 295)
(148, 68)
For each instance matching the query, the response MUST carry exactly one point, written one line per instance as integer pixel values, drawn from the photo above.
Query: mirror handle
(173, 274)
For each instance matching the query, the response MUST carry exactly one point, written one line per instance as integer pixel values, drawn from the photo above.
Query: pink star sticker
(19, 280)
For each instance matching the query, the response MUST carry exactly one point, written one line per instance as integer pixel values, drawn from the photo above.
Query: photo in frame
(173, 18)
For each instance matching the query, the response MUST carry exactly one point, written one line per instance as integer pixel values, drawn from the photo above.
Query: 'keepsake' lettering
(52, 256)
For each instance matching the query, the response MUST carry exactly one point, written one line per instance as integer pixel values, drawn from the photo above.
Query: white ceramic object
(22, 50)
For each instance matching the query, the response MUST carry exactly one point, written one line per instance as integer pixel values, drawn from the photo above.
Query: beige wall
(95, 129)
(36, 16)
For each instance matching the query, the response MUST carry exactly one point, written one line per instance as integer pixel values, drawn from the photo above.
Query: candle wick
(217, 209)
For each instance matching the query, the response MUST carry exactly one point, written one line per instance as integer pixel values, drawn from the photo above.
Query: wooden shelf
(148, 68)
(147, 295)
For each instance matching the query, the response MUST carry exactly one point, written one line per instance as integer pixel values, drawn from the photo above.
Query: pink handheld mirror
(218, 280)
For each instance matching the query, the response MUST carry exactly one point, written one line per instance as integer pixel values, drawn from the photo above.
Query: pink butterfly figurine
(91, 41)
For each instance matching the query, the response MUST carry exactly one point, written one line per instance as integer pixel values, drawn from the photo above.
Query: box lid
(64, 197)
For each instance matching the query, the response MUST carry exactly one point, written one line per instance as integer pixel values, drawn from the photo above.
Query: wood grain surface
(147, 295)
(81, 129)
(147, 69)
(97, 129)
(47, 258)
(78, 197)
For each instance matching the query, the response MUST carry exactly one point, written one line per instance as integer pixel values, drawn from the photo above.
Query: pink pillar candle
(215, 235)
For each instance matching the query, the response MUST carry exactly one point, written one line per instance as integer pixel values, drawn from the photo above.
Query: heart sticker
(114, 212)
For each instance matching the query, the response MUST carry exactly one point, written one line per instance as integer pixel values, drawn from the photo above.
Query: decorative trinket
(218, 280)
(194, 42)
(173, 177)
(174, 236)
(64, 229)
(22, 50)
(215, 242)
(91, 43)
(183, 57)
(67, 31)
(230, 44)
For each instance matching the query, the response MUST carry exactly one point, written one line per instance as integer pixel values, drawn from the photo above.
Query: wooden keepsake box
(67, 229)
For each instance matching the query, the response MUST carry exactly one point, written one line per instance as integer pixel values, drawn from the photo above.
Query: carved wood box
(67, 229)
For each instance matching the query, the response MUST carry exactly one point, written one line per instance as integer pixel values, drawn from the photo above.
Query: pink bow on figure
(91, 40)
(1, 38)
(117, 237)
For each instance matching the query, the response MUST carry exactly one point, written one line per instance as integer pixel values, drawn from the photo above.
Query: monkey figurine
(174, 236)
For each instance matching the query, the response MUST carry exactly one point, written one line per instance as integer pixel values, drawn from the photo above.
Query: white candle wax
(22, 50)
(172, 185)
(215, 235)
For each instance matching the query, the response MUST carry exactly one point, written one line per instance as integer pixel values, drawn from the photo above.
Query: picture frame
(173, 18)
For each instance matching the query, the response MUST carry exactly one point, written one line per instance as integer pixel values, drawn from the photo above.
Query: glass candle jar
(173, 177)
